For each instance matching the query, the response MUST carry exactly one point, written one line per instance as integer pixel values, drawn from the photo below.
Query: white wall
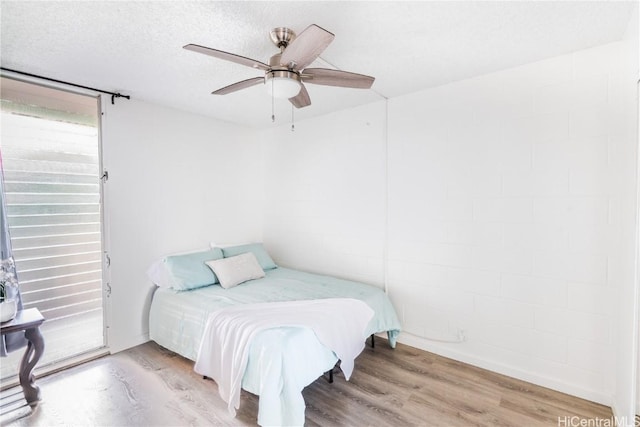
(503, 215)
(176, 182)
(504, 220)
(325, 194)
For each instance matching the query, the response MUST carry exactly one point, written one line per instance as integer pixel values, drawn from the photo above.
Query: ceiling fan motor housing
(275, 63)
(281, 74)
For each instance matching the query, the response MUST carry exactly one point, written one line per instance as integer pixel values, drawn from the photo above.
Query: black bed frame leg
(330, 379)
(373, 341)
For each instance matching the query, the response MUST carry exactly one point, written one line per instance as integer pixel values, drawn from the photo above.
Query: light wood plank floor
(148, 385)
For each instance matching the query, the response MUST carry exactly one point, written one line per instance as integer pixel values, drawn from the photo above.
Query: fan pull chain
(292, 120)
(273, 108)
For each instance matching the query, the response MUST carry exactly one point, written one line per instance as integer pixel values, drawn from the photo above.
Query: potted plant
(8, 290)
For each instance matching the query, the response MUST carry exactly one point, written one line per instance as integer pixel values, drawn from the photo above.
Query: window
(51, 161)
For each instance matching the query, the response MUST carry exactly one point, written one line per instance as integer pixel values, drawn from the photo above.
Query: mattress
(177, 318)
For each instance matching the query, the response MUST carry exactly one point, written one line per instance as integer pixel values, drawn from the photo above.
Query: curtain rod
(114, 95)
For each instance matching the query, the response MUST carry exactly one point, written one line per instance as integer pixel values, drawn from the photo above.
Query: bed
(281, 360)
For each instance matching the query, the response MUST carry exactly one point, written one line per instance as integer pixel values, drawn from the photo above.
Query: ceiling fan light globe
(283, 84)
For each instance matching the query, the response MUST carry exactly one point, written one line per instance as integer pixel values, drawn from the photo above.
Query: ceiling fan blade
(327, 77)
(302, 98)
(238, 86)
(305, 48)
(227, 56)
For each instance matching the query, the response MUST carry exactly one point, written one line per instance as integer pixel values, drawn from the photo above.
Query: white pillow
(236, 269)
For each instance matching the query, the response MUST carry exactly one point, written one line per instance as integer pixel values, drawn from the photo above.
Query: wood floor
(150, 386)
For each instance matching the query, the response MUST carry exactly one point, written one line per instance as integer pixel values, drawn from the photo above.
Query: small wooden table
(29, 321)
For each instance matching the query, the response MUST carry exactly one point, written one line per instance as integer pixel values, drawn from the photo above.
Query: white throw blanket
(339, 324)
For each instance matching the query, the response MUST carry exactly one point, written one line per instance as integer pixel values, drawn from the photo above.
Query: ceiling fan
(286, 72)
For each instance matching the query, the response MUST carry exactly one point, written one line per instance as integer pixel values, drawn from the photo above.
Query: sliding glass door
(50, 150)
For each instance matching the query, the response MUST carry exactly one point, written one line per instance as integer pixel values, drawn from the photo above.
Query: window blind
(53, 210)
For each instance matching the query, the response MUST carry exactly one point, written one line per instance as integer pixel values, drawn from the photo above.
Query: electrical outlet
(462, 335)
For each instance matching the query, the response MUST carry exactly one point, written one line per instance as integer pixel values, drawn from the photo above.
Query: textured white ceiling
(136, 47)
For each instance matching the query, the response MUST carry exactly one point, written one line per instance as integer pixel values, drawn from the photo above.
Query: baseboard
(504, 369)
(118, 344)
(624, 421)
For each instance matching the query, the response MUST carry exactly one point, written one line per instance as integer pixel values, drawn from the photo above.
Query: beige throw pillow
(236, 269)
